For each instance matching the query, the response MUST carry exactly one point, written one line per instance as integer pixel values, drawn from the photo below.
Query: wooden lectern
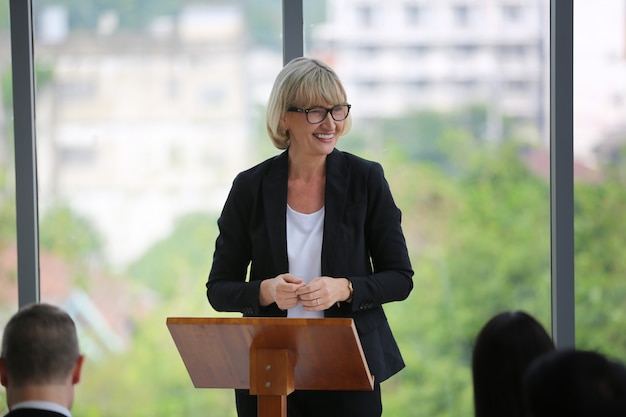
(272, 356)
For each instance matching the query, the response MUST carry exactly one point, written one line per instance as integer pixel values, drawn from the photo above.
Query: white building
(400, 56)
(136, 130)
(599, 76)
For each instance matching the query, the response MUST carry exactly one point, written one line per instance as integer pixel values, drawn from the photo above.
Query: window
(412, 14)
(143, 125)
(461, 15)
(491, 223)
(8, 247)
(363, 15)
(600, 183)
(464, 51)
(512, 13)
(447, 139)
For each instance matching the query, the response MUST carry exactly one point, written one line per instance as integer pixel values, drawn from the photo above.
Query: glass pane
(600, 175)
(452, 100)
(145, 114)
(8, 237)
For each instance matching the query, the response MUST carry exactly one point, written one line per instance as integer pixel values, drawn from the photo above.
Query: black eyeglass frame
(328, 111)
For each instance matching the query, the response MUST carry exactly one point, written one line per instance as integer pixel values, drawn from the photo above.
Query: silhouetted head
(504, 348)
(576, 383)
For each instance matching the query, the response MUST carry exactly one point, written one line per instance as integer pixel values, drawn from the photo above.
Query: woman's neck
(306, 168)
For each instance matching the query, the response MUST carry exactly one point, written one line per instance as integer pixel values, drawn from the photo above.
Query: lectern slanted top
(323, 354)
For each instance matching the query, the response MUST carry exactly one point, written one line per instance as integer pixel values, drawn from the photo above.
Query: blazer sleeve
(391, 277)
(227, 289)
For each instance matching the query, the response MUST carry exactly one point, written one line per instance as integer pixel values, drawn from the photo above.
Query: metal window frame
(27, 216)
(293, 30)
(562, 171)
(561, 151)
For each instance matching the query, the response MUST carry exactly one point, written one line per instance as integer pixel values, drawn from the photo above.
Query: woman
(321, 233)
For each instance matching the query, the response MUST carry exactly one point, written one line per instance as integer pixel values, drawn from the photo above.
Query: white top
(43, 405)
(304, 251)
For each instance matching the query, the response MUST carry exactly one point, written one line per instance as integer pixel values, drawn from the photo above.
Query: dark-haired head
(504, 348)
(40, 345)
(576, 383)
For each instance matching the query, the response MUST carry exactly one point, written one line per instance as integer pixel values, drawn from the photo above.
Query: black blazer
(363, 241)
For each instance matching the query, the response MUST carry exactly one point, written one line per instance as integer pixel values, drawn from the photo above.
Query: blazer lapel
(275, 208)
(335, 201)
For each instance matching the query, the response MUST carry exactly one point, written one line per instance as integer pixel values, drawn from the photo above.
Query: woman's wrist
(265, 297)
(350, 291)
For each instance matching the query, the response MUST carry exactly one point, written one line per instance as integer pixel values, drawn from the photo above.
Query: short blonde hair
(307, 82)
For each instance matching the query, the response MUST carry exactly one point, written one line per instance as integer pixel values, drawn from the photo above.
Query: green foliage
(479, 244)
(179, 265)
(149, 378)
(177, 268)
(6, 87)
(600, 266)
(499, 240)
(43, 74)
(68, 235)
(5, 23)
(446, 140)
(7, 219)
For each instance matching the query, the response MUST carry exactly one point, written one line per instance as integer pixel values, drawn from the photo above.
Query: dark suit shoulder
(33, 412)
(357, 169)
(248, 183)
(264, 167)
(353, 161)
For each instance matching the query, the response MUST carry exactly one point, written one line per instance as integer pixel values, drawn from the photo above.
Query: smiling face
(305, 83)
(312, 139)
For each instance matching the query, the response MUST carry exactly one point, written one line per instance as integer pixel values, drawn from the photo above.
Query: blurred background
(146, 111)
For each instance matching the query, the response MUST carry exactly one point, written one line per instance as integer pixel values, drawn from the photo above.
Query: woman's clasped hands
(288, 291)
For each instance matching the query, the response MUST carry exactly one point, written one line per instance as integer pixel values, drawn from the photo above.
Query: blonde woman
(321, 234)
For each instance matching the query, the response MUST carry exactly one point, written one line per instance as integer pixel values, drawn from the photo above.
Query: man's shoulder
(33, 412)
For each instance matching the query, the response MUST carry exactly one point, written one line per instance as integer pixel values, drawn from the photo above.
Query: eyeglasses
(316, 115)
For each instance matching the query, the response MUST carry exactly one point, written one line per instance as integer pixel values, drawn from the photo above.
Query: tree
(176, 265)
(67, 234)
(479, 244)
(600, 265)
